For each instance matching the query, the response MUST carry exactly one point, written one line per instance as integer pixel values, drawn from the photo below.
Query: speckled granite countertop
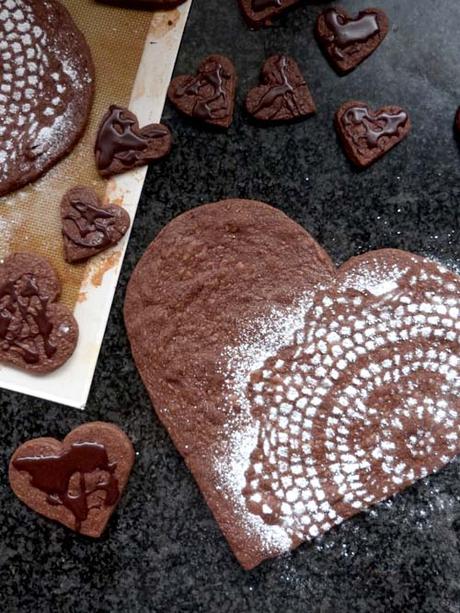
(163, 551)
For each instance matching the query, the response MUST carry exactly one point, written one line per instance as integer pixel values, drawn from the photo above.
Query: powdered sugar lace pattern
(37, 79)
(361, 402)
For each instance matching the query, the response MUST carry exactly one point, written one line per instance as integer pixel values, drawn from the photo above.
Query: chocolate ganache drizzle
(347, 32)
(215, 77)
(261, 5)
(24, 319)
(91, 224)
(284, 88)
(64, 478)
(376, 125)
(119, 137)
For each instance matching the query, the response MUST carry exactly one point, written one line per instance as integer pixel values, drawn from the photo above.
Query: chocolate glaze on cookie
(47, 81)
(77, 482)
(122, 145)
(283, 94)
(88, 228)
(209, 96)
(348, 41)
(260, 13)
(36, 333)
(368, 135)
(299, 394)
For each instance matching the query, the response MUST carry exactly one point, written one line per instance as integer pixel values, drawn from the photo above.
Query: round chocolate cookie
(46, 88)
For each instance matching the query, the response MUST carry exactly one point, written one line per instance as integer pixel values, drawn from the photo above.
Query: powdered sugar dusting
(259, 341)
(37, 81)
(346, 398)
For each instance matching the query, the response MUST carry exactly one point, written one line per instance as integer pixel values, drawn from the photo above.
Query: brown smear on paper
(30, 219)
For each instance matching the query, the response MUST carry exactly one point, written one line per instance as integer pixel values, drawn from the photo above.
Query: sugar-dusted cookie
(368, 135)
(283, 94)
(37, 333)
(88, 228)
(299, 394)
(348, 41)
(208, 96)
(46, 88)
(78, 482)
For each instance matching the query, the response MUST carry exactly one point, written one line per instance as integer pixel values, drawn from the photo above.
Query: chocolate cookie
(77, 482)
(36, 333)
(122, 145)
(46, 88)
(367, 135)
(348, 41)
(208, 96)
(299, 394)
(160, 5)
(283, 94)
(260, 13)
(87, 227)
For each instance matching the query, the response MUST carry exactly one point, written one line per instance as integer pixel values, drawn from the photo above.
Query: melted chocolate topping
(214, 77)
(89, 222)
(54, 475)
(24, 318)
(261, 5)
(284, 89)
(373, 123)
(348, 32)
(119, 137)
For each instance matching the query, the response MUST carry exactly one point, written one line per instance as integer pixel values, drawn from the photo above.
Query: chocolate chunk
(348, 41)
(260, 13)
(122, 145)
(77, 482)
(88, 228)
(367, 135)
(284, 93)
(298, 393)
(47, 83)
(36, 333)
(208, 96)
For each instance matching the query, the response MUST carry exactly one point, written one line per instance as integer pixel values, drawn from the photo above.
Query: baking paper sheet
(123, 43)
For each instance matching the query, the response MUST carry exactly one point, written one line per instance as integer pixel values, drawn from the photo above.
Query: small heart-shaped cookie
(158, 5)
(122, 145)
(348, 41)
(299, 394)
(77, 482)
(87, 227)
(36, 333)
(284, 93)
(208, 96)
(367, 135)
(260, 13)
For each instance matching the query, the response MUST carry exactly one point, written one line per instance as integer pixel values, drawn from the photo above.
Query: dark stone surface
(163, 551)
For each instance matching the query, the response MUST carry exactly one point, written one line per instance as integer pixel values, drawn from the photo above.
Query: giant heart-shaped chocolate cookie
(260, 13)
(36, 333)
(87, 227)
(77, 482)
(208, 96)
(299, 394)
(348, 41)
